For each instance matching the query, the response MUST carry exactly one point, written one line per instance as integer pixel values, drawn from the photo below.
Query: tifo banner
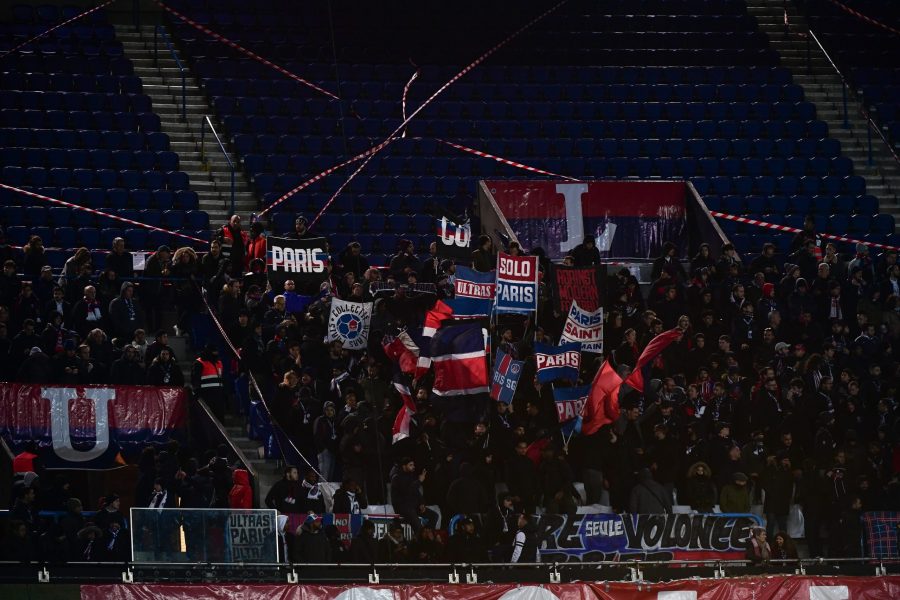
(454, 240)
(505, 377)
(601, 537)
(799, 587)
(585, 327)
(349, 324)
(561, 362)
(304, 261)
(517, 283)
(473, 293)
(250, 535)
(586, 285)
(85, 427)
(629, 219)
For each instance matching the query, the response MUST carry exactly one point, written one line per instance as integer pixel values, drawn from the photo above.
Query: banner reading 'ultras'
(629, 219)
(586, 285)
(349, 324)
(517, 283)
(303, 261)
(585, 327)
(86, 426)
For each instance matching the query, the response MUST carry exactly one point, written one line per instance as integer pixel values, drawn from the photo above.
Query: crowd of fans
(781, 392)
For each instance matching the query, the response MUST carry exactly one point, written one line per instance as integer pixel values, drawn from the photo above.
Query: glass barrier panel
(182, 535)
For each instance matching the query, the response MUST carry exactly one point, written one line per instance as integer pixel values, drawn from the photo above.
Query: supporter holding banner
(585, 327)
(517, 283)
(561, 362)
(454, 240)
(505, 377)
(305, 261)
(585, 285)
(349, 324)
(85, 427)
(569, 406)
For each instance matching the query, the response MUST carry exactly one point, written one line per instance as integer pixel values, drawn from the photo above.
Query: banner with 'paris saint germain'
(562, 362)
(585, 327)
(517, 283)
(88, 426)
(303, 261)
(628, 219)
(505, 377)
(454, 240)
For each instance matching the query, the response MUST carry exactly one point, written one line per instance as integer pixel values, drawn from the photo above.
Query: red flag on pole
(602, 404)
(653, 349)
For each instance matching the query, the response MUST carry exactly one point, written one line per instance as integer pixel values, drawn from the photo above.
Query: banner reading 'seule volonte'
(303, 261)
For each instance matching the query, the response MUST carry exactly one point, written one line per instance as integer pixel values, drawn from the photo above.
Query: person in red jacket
(241, 494)
(256, 245)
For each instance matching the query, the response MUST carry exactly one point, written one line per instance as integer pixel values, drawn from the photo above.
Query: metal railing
(206, 121)
(158, 31)
(871, 125)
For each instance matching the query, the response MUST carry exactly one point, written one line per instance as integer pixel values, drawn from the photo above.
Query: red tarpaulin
(741, 588)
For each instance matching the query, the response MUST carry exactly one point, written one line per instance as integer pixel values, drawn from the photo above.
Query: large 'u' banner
(86, 427)
(759, 588)
(629, 219)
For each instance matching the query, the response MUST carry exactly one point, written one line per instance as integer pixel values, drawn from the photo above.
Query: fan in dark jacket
(349, 498)
(364, 548)
(285, 496)
(126, 313)
(165, 371)
(311, 544)
(648, 496)
(128, 370)
(699, 491)
(467, 494)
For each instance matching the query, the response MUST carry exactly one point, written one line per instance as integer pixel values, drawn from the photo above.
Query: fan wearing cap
(310, 544)
(301, 229)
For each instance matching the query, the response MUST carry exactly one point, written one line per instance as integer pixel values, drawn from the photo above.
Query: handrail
(838, 71)
(156, 32)
(865, 112)
(203, 123)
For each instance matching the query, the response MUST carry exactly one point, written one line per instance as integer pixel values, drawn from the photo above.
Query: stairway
(268, 471)
(162, 82)
(822, 86)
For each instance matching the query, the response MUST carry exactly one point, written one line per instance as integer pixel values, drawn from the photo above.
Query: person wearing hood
(800, 300)
(325, 435)
(126, 313)
(586, 254)
(241, 495)
(128, 369)
(90, 544)
(698, 490)
(767, 303)
(525, 545)
(349, 499)
(311, 545)
(165, 371)
(648, 496)
(207, 380)
(37, 368)
(735, 497)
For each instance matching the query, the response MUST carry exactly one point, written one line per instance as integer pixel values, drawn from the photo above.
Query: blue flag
(505, 377)
(561, 362)
(569, 405)
(473, 293)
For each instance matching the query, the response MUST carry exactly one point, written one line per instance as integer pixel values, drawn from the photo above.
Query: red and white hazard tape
(344, 185)
(786, 228)
(245, 51)
(379, 147)
(865, 18)
(98, 212)
(505, 161)
(55, 27)
(405, 92)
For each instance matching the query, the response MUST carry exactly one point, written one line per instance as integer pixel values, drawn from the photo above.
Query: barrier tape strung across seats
(98, 212)
(788, 229)
(344, 185)
(245, 51)
(378, 148)
(405, 93)
(55, 27)
(505, 161)
(865, 18)
(237, 354)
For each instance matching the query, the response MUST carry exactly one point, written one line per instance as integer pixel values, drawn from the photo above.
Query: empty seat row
(93, 238)
(90, 139)
(799, 204)
(90, 101)
(74, 79)
(143, 160)
(108, 198)
(77, 119)
(831, 185)
(44, 14)
(79, 47)
(61, 216)
(98, 178)
(357, 222)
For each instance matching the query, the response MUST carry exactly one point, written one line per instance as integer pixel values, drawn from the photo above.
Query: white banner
(585, 327)
(349, 323)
